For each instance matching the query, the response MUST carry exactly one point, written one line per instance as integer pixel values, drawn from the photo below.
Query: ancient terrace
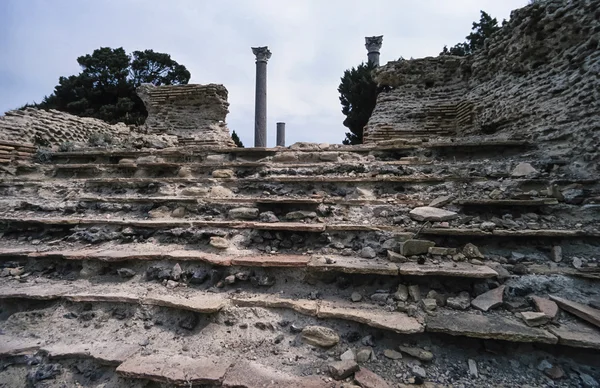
(457, 247)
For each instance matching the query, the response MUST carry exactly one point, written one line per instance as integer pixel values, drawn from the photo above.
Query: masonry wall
(194, 113)
(537, 78)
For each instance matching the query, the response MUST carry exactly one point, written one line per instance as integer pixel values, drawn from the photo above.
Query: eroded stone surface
(487, 327)
(202, 303)
(395, 321)
(201, 112)
(446, 269)
(175, 369)
(303, 306)
(15, 346)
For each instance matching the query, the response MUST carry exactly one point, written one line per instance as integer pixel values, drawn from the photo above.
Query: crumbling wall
(53, 128)
(537, 78)
(194, 113)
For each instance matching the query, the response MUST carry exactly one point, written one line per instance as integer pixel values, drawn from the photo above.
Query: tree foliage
(236, 140)
(105, 87)
(358, 93)
(476, 39)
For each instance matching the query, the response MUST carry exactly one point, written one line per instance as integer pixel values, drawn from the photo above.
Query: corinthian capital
(262, 53)
(373, 43)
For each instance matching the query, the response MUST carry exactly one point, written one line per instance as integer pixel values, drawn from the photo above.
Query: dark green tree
(358, 93)
(105, 87)
(476, 39)
(236, 140)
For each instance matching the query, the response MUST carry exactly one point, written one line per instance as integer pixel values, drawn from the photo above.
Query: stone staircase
(263, 267)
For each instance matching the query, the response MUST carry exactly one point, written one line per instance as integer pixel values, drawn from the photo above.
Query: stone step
(11, 222)
(209, 303)
(487, 326)
(271, 200)
(271, 179)
(164, 366)
(318, 263)
(364, 148)
(506, 202)
(104, 353)
(310, 201)
(495, 326)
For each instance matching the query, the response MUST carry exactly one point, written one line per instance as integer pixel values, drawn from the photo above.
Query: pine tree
(476, 39)
(358, 94)
(105, 87)
(236, 140)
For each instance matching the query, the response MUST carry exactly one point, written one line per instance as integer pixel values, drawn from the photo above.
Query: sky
(312, 41)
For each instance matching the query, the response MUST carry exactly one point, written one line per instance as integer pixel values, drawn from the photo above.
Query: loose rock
(341, 369)
(534, 319)
(489, 300)
(460, 302)
(219, 242)
(320, 336)
(427, 213)
(415, 247)
(392, 354)
(418, 353)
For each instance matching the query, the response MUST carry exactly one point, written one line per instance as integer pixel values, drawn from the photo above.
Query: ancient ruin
(458, 247)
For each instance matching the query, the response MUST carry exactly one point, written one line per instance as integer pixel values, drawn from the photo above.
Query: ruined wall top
(535, 79)
(52, 128)
(194, 113)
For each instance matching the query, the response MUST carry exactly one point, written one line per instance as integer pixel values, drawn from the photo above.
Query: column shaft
(260, 112)
(280, 134)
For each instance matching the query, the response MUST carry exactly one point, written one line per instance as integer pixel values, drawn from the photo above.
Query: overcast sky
(312, 41)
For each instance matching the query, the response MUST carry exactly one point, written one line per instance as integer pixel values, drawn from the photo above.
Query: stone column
(373, 45)
(260, 111)
(280, 134)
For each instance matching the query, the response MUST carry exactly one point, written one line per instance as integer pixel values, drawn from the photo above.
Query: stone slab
(187, 255)
(489, 300)
(394, 321)
(99, 297)
(507, 202)
(203, 303)
(303, 306)
(353, 265)
(175, 369)
(367, 379)
(545, 306)
(37, 292)
(428, 213)
(271, 261)
(104, 353)
(582, 311)
(578, 335)
(490, 326)
(15, 346)
(465, 270)
(508, 233)
(245, 374)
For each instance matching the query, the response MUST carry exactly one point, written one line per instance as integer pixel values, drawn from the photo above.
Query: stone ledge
(394, 321)
(103, 353)
(303, 306)
(175, 369)
(353, 265)
(487, 327)
(447, 269)
(15, 346)
(299, 227)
